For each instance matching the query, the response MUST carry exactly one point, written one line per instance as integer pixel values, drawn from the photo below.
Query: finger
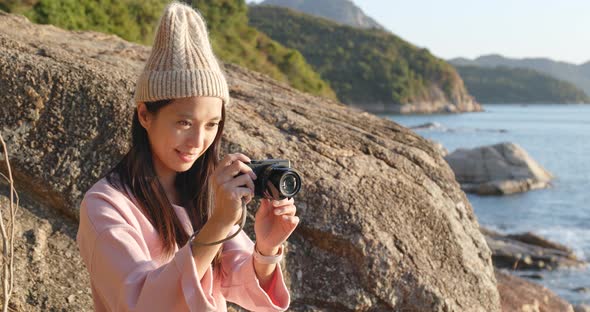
(287, 210)
(283, 202)
(248, 199)
(228, 173)
(230, 158)
(237, 193)
(219, 176)
(242, 180)
(238, 167)
(294, 220)
(226, 160)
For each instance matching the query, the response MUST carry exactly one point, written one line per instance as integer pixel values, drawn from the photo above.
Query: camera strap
(191, 240)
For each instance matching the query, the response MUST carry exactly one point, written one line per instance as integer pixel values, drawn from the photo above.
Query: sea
(557, 136)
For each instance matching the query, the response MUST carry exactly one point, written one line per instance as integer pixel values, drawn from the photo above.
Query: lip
(186, 157)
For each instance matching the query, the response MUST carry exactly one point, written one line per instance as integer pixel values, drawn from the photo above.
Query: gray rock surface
(426, 106)
(529, 251)
(343, 11)
(49, 272)
(499, 169)
(384, 224)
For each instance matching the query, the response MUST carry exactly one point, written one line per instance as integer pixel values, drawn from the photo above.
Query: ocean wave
(578, 239)
(436, 126)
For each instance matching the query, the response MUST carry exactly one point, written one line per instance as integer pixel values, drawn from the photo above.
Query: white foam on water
(577, 239)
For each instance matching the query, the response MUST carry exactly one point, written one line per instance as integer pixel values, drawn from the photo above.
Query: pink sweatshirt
(128, 272)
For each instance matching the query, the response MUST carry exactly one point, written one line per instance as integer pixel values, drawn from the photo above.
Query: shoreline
(556, 213)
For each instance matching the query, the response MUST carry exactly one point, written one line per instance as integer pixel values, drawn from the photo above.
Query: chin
(184, 167)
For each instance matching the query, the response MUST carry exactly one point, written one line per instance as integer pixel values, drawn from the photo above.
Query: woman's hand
(275, 221)
(229, 188)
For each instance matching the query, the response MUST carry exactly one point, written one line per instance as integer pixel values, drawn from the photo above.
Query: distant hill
(579, 75)
(135, 20)
(518, 85)
(369, 68)
(341, 11)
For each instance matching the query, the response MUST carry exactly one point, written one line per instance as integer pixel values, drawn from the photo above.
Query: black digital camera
(275, 179)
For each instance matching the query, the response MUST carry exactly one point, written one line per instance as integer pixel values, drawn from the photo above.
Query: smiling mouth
(186, 156)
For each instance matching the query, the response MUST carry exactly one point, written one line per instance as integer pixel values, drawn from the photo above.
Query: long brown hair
(136, 172)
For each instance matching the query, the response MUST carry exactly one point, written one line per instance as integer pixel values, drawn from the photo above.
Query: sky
(555, 29)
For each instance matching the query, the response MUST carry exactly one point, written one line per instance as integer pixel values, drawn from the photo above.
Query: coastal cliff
(372, 69)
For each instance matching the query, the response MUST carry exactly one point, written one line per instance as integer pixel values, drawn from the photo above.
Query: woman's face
(181, 132)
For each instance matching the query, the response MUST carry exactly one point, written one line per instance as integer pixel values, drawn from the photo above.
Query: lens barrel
(286, 180)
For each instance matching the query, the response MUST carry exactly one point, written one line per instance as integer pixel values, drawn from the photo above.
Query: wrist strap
(268, 259)
(257, 255)
(192, 241)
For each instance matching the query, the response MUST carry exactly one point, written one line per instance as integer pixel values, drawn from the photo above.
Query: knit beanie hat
(182, 63)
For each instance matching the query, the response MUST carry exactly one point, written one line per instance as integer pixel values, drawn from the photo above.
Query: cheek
(209, 139)
(164, 140)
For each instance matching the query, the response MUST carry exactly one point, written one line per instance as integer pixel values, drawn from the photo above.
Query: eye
(185, 123)
(213, 124)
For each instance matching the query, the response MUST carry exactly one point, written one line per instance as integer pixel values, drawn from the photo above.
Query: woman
(146, 228)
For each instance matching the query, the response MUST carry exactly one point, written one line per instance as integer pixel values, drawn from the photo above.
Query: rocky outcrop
(529, 251)
(49, 274)
(518, 295)
(440, 106)
(500, 169)
(340, 11)
(384, 224)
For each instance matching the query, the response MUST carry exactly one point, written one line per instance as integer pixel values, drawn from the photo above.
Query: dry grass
(7, 259)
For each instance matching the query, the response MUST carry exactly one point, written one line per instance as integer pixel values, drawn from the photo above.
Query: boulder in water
(500, 169)
(529, 251)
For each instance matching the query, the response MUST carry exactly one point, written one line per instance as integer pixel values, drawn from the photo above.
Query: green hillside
(362, 66)
(518, 85)
(579, 75)
(135, 20)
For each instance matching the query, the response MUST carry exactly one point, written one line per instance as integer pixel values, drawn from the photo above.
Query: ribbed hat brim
(159, 85)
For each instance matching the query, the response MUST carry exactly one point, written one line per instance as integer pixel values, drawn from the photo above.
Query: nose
(196, 138)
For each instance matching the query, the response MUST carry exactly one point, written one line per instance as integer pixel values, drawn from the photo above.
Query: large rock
(467, 104)
(500, 169)
(519, 295)
(384, 224)
(529, 251)
(49, 274)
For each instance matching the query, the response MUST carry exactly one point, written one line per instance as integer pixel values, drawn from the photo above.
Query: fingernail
(275, 202)
(278, 211)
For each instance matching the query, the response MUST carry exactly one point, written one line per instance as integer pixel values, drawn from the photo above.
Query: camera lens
(290, 184)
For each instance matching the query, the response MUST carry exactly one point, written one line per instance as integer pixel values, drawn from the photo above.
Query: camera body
(275, 179)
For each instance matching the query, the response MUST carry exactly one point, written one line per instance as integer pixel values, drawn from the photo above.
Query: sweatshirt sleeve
(240, 284)
(124, 277)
